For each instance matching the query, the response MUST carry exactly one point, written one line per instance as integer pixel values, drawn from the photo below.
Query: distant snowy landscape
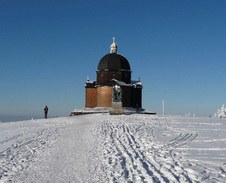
(104, 148)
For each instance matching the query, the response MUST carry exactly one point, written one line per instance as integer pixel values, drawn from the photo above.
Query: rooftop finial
(113, 46)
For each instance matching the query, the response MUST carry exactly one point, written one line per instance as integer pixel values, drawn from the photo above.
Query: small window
(101, 74)
(114, 74)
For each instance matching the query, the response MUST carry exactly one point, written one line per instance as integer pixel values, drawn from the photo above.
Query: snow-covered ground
(103, 148)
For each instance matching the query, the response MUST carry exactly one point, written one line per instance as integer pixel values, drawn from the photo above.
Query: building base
(116, 108)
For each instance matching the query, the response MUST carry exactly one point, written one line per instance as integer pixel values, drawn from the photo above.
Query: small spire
(113, 46)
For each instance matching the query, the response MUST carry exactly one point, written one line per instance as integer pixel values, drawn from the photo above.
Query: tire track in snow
(147, 165)
(126, 158)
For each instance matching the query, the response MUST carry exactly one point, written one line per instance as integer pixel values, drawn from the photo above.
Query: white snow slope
(103, 148)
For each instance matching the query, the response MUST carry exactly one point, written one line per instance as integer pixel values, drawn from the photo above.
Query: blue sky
(49, 47)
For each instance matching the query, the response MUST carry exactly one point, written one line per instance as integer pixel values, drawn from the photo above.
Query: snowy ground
(103, 148)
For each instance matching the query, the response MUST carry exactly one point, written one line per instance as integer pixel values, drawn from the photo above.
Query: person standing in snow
(46, 111)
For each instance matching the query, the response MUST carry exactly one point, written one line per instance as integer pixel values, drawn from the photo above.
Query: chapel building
(113, 69)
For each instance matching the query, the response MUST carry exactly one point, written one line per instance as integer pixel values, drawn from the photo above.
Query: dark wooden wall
(91, 97)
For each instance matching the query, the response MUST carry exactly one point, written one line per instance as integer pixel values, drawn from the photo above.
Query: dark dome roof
(113, 62)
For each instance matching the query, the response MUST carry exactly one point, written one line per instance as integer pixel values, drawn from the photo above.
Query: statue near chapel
(116, 94)
(116, 108)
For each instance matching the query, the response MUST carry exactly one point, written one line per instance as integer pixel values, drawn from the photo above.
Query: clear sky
(49, 47)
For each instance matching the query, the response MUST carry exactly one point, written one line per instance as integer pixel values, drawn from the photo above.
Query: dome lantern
(113, 46)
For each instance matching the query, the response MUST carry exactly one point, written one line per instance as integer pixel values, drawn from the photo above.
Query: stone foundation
(116, 108)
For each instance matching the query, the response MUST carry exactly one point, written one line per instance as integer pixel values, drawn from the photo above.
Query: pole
(163, 110)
